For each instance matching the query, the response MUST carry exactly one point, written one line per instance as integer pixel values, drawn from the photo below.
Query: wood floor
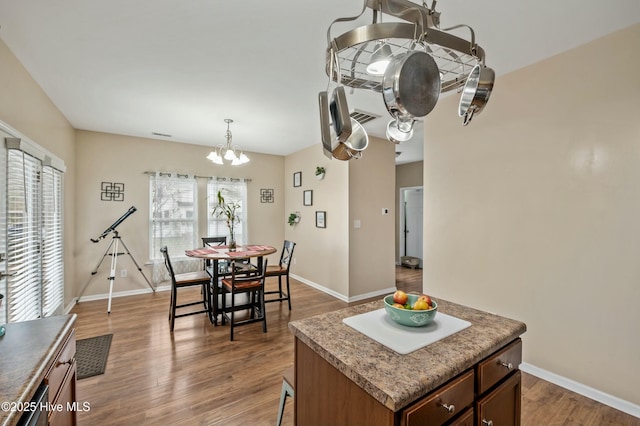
(196, 376)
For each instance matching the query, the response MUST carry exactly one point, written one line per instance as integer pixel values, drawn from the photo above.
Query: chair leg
(286, 391)
(280, 286)
(233, 305)
(283, 399)
(288, 292)
(223, 305)
(174, 302)
(263, 310)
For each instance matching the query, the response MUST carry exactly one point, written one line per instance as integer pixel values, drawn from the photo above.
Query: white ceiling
(182, 67)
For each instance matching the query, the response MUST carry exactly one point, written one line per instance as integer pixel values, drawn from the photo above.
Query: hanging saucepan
(476, 92)
(351, 138)
(410, 89)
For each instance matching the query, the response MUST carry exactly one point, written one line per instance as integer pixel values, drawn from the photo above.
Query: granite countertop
(396, 380)
(26, 350)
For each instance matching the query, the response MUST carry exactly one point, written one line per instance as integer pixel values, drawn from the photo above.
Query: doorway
(411, 228)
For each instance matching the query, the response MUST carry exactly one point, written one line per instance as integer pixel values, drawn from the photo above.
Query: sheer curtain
(173, 222)
(233, 190)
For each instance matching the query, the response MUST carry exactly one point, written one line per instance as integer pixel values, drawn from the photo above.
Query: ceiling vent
(363, 116)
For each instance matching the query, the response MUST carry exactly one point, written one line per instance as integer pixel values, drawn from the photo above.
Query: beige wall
(532, 210)
(407, 175)
(321, 254)
(346, 262)
(103, 157)
(26, 108)
(371, 188)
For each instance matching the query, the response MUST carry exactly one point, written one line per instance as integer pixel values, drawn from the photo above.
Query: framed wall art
(307, 197)
(266, 195)
(297, 179)
(321, 219)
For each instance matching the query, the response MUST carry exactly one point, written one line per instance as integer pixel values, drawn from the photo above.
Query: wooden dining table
(223, 259)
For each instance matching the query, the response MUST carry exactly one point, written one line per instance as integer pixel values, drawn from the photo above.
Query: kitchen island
(344, 377)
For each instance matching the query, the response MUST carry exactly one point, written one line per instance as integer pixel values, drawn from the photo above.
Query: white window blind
(52, 242)
(174, 214)
(233, 190)
(24, 224)
(31, 236)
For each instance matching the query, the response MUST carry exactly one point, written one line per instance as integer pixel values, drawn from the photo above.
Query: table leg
(213, 300)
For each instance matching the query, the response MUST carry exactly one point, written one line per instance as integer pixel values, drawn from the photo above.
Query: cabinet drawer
(465, 419)
(441, 405)
(60, 367)
(499, 365)
(502, 406)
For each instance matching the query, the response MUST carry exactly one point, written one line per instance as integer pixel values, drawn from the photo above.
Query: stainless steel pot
(353, 146)
(411, 85)
(476, 92)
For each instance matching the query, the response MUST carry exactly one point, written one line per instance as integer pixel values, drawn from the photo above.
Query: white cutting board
(401, 338)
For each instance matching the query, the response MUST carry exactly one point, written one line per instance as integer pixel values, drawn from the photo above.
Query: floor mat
(92, 354)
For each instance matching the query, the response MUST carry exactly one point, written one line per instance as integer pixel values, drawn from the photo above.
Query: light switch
(356, 223)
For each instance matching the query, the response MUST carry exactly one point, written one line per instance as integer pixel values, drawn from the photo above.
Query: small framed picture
(321, 219)
(307, 197)
(297, 179)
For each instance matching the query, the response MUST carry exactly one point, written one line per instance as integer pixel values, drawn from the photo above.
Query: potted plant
(294, 218)
(228, 211)
(320, 172)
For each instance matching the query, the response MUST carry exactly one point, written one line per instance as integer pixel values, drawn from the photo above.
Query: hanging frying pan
(411, 84)
(476, 92)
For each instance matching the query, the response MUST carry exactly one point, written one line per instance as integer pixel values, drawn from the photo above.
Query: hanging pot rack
(349, 53)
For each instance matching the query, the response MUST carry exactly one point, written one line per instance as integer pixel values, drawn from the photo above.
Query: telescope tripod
(112, 250)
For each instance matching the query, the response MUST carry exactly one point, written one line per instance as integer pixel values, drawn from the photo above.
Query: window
(232, 190)
(173, 222)
(31, 213)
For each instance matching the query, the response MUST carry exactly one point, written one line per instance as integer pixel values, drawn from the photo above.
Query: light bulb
(229, 155)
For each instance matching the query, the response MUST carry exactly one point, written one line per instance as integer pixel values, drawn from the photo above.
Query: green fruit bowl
(410, 317)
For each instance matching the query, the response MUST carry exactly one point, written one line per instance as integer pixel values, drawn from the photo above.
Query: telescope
(113, 251)
(115, 224)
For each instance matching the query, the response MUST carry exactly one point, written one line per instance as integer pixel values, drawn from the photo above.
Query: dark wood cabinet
(487, 394)
(61, 378)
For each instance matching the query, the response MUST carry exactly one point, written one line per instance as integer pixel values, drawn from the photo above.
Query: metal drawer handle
(509, 366)
(450, 408)
(487, 422)
(69, 361)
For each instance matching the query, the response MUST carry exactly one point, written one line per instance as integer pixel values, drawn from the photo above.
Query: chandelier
(229, 151)
(409, 61)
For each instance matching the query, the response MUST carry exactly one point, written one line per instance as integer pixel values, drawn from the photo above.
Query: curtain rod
(218, 178)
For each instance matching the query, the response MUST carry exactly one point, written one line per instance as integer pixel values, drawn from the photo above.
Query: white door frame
(401, 233)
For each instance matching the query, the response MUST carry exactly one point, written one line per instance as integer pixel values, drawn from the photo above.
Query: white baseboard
(342, 296)
(604, 398)
(105, 296)
(321, 288)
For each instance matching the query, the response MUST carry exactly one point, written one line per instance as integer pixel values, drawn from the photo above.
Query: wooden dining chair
(213, 242)
(282, 270)
(250, 284)
(189, 279)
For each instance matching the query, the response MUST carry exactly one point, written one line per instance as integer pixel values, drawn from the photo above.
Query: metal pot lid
(411, 84)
